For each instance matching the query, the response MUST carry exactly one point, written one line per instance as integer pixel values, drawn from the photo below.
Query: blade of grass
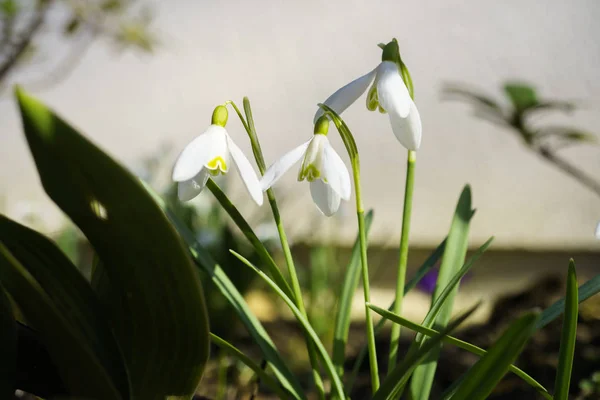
(264, 377)
(421, 272)
(215, 273)
(459, 343)
(338, 387)
(568, 337)
(243, 225)
(342, 320)
(454, 257)
(481, 379)
(393, 385)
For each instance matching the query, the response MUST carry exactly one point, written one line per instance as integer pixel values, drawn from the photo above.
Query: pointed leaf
(568, 337)
(453, 259)
(522, 96)
(165, 340)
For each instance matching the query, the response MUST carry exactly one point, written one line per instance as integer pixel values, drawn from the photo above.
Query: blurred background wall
(287, 56)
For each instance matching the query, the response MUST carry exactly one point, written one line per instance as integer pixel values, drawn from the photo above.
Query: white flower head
(321, 166)
(210, 154)
(388, 93)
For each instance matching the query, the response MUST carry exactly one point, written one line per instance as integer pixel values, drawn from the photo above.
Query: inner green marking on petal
(217, 166)
(372, 99)
(310, 173)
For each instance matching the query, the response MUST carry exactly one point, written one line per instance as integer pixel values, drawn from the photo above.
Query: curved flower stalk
(210, 154)
(390, 92)
(321, 166)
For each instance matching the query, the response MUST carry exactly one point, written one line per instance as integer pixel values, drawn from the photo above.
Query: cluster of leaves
(139, 328)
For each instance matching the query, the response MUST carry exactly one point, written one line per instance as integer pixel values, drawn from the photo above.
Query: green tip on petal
(219, 116)
(322, 126)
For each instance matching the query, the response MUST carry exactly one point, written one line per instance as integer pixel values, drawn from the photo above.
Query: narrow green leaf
(338, 387)
(568, 337)
(69, 292)
(342, 320)
(454, 257)
(243, 225)
(8, 347)
(393, 385)
(585, 291)
(215, 273)
(264, 377)
(458, 343)
(165, 340)
(79, 367)
(421, 272)
(482, 378)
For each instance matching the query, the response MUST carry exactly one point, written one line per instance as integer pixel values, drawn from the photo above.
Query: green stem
(287, 253)
(365, 276)
(403, 259)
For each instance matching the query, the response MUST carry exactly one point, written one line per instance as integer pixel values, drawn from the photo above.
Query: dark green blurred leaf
(70, 294)
(569, 134)
(450, 268)
(165, 340)
(482, 378)
(522, 96)
(394, 384)
(79, 367)
(8, 347)
(477, 99)
(342, 320)
(568, 337)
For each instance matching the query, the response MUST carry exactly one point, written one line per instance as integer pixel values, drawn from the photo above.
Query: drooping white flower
(210, 154)
(322, 167)
(388, 92)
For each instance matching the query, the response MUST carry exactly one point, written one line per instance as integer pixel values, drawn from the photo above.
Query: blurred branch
(570, 170)
(523, 101)
(23, 43)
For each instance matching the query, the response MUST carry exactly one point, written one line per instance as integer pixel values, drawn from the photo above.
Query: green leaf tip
(35, 116)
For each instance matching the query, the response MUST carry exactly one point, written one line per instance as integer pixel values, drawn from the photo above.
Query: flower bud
(219, 116)
(322, 126)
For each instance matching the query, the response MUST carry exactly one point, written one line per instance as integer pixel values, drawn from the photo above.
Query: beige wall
(287, 56)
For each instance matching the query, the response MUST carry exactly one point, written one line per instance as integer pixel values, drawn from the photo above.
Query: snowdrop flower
(210, 154)
(388, 92)
(321, 166)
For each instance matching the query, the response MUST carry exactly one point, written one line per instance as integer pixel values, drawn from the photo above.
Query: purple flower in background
(429, 280)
